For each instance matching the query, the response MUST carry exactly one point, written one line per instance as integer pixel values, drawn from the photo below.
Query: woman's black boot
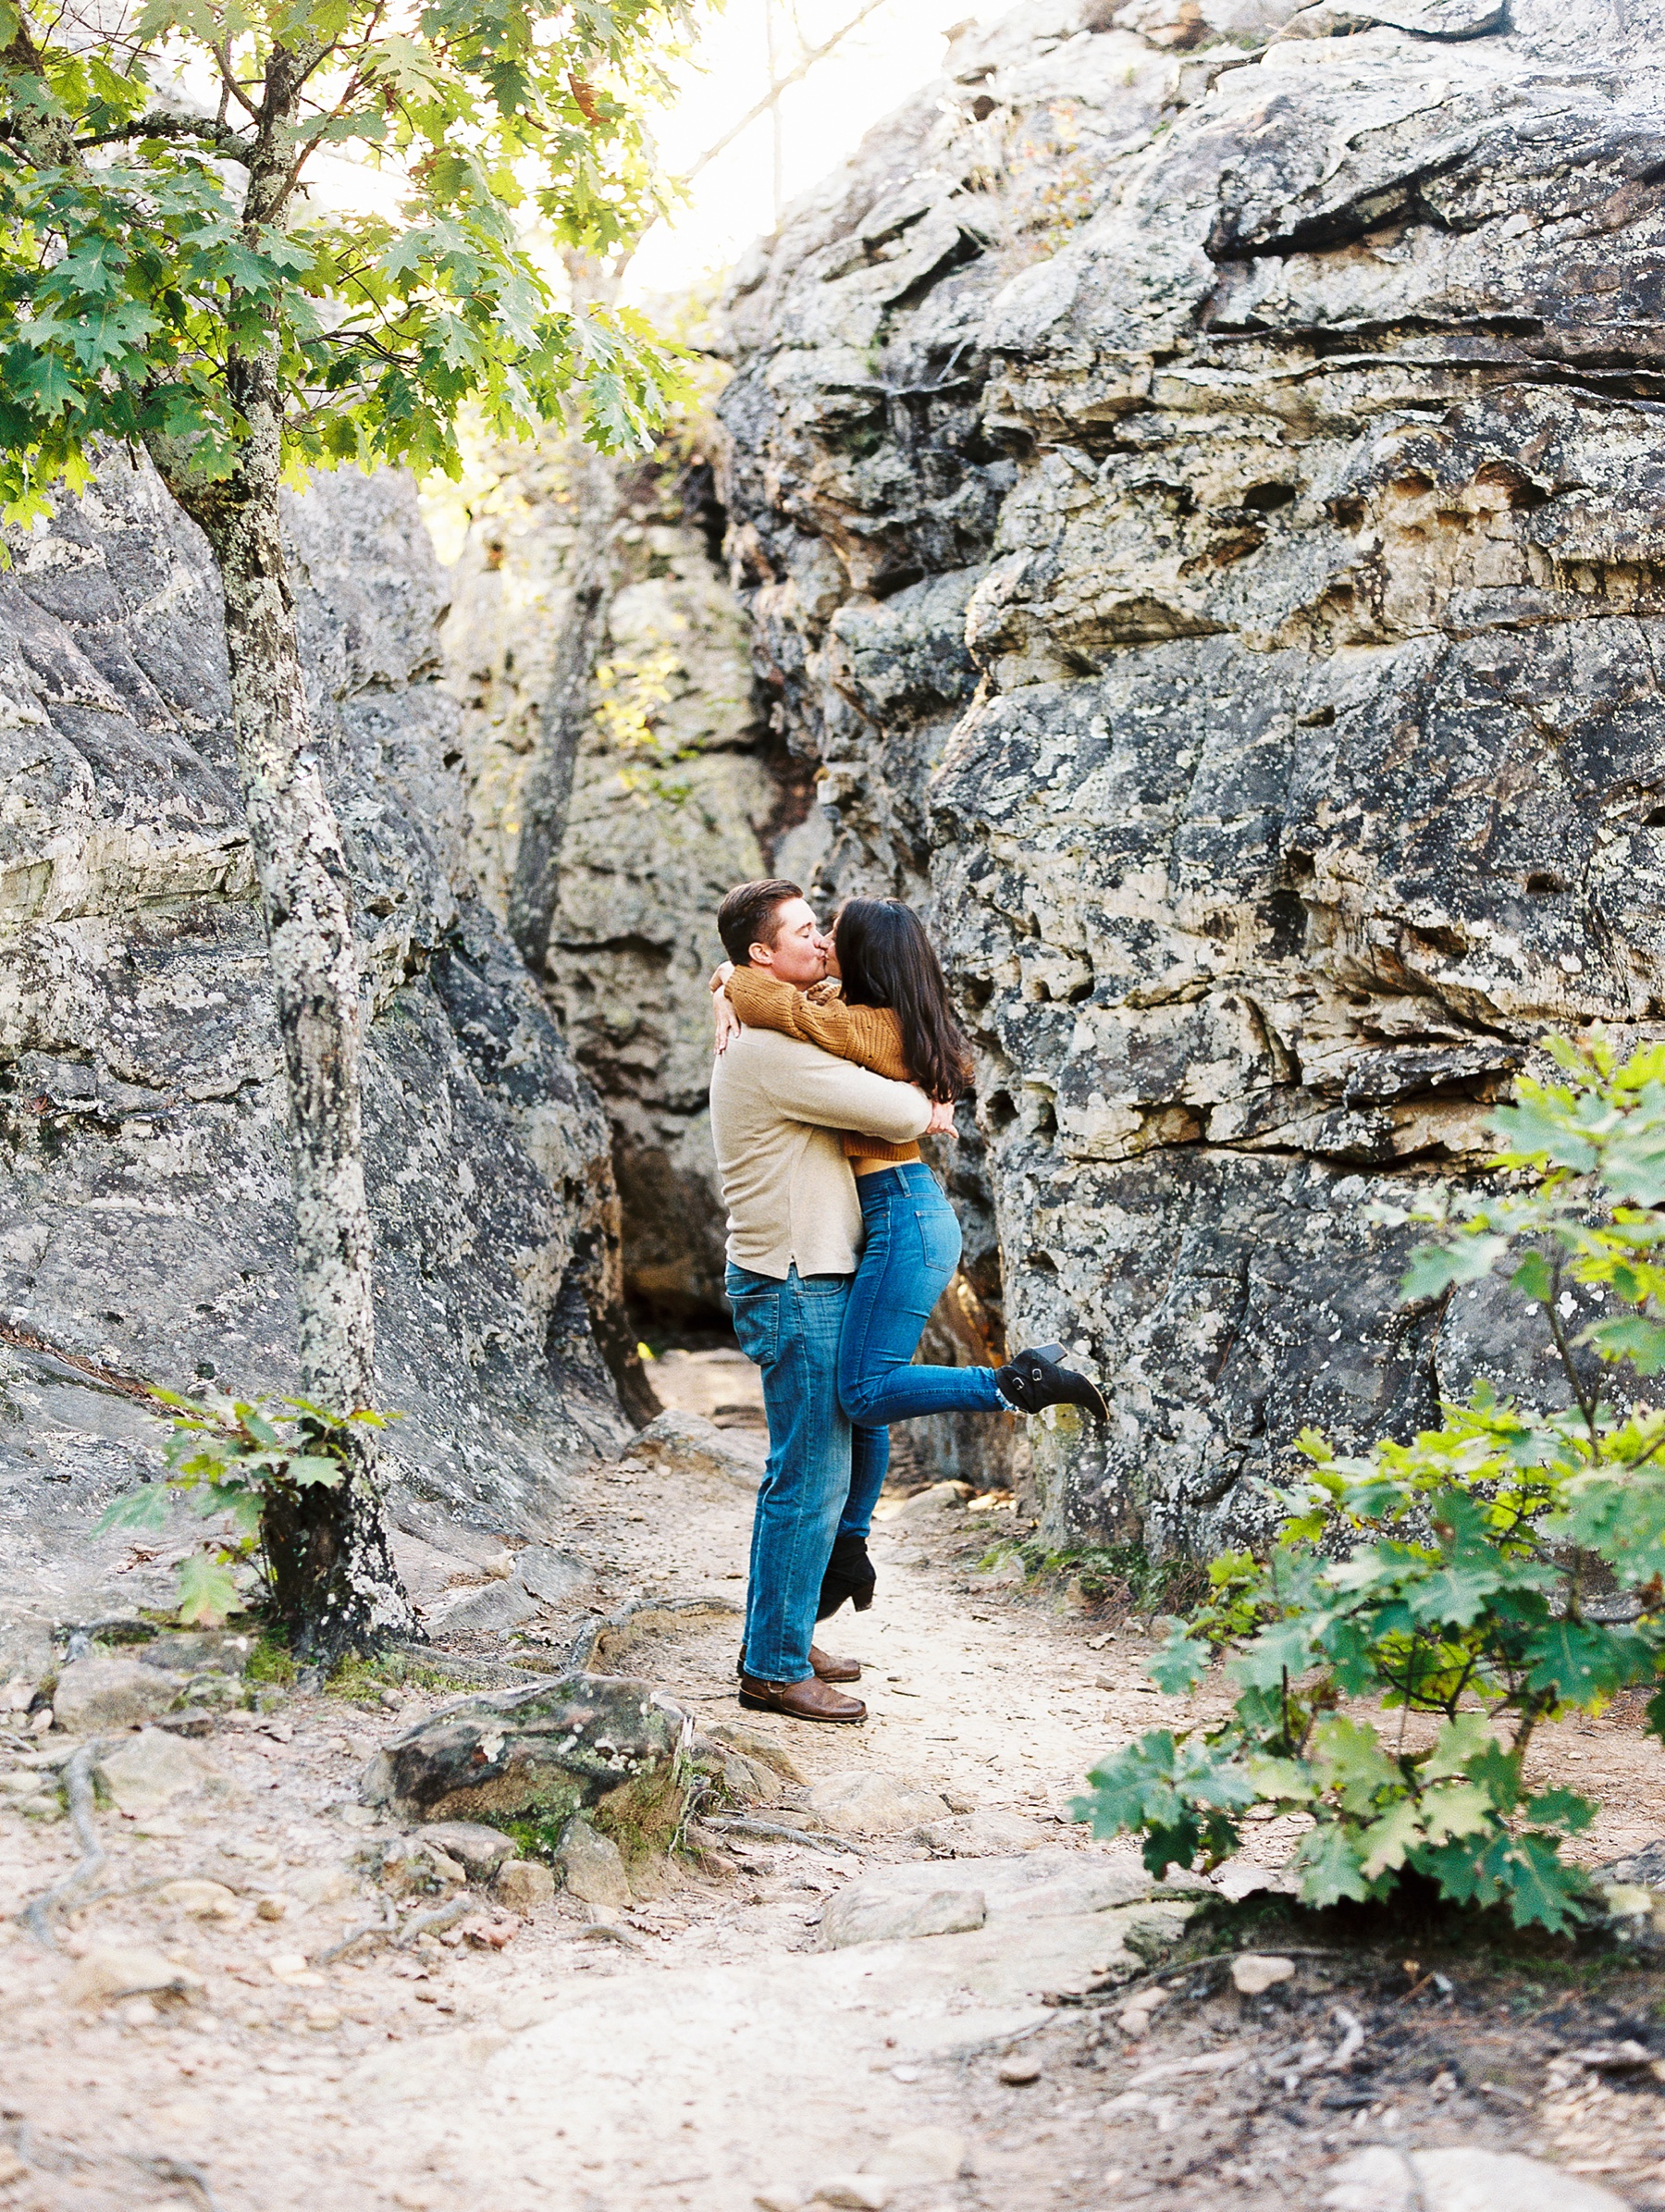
(849, 1575)
(1035, 1380)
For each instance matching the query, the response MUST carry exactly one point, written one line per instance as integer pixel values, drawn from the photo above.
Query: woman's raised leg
(912, 1249)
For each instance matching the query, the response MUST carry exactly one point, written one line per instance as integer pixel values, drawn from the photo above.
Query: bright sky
(875, 69)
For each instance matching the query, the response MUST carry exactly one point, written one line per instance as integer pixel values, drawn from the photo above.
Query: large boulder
(583, 1744)
(1199, 515)
(145, 1188)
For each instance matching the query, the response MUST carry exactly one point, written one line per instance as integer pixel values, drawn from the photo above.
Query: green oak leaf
(207, 1592)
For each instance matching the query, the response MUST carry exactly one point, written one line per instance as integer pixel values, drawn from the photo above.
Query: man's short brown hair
(750, 915)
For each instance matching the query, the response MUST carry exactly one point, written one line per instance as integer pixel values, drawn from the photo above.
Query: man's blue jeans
(791, 1330)
(912, 1249)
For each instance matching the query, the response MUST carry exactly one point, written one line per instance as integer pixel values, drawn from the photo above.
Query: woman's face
(832, 967)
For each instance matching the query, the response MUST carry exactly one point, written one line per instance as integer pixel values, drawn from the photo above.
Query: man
(794, 1241)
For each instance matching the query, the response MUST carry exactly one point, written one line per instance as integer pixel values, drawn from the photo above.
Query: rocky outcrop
(144, 1208)
(556, 1747)
(600, 662)
(1194, 476)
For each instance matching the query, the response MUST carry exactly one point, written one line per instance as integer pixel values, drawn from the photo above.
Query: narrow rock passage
(866, 2015)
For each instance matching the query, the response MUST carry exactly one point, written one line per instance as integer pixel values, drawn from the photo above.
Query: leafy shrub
(230, 1458)
(1450, 1577)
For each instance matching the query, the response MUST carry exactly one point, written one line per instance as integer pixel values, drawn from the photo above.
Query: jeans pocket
(756, 1316)
(938, 1236)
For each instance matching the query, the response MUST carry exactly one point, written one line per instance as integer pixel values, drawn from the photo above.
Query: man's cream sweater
(777, 1107)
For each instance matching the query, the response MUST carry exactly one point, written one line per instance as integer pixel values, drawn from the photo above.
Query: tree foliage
(1446, 1582)
(157, 227)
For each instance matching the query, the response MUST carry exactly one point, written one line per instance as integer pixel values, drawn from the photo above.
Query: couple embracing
(835, 1052)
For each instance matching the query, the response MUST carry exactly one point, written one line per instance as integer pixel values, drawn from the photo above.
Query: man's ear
(759, 955)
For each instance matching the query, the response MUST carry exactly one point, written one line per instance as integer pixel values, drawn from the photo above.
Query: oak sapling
(246, 1464)
(174, 275)
(1452, 1577)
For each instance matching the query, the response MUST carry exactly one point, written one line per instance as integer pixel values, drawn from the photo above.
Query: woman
(893, 1017)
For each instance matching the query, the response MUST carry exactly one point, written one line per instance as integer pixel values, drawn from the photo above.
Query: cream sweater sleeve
(811, 1086)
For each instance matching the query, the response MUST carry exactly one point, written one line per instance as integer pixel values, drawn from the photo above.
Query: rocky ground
(906, 1979)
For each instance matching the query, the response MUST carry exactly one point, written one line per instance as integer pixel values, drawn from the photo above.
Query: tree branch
(771, 97)
(1587, 1406)
(221, 135)
(228, 80)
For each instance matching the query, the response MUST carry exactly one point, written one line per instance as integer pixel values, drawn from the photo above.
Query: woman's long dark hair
(885, 959)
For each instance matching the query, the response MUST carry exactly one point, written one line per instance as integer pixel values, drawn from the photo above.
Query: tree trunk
(332, 1572)
(333, 1577)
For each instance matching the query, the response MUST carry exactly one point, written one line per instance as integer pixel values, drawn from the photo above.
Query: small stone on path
(478, 1849)
(874, 1911)
(941, 1498)
(523, 1884)
(591, 1866)
(1254, 1975)
(982, 1835)
(109, 1971)
(751, 1743)
(551, 1574)
(864, 1803)
(204, 1900)
(501, 1603)
(102, 1691)
(687, 1443)
(151, 1769)
(860, 2192)
(1017, 2074)
(930, 2153)
(1460, 2180)
(1134, 2019)
(291, 1969)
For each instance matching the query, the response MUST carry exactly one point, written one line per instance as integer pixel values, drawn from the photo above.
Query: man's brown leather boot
(828, 1668)
(805, 1700)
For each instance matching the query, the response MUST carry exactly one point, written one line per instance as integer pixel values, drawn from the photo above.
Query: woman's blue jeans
(912, 1249)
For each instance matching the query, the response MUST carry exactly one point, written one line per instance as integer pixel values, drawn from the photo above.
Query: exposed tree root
(78, 1784)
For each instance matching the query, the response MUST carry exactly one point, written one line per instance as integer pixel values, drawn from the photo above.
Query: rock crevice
(623, 774)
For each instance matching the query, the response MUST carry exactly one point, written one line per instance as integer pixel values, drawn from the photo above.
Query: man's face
(798, 955)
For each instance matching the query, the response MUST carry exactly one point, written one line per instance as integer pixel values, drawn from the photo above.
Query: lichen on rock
(604, 1746)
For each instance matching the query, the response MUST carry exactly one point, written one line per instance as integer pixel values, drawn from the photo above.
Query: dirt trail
(707, 2046)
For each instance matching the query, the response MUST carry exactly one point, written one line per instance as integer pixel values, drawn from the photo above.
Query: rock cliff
(145, 1222)
(1195, 478)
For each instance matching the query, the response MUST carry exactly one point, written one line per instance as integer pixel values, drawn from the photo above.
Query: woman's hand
(942, 1118)
(727, 1021)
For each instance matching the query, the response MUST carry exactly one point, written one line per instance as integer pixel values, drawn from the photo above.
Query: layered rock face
(600, 662)
(144, 1203)
(1195, 478)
